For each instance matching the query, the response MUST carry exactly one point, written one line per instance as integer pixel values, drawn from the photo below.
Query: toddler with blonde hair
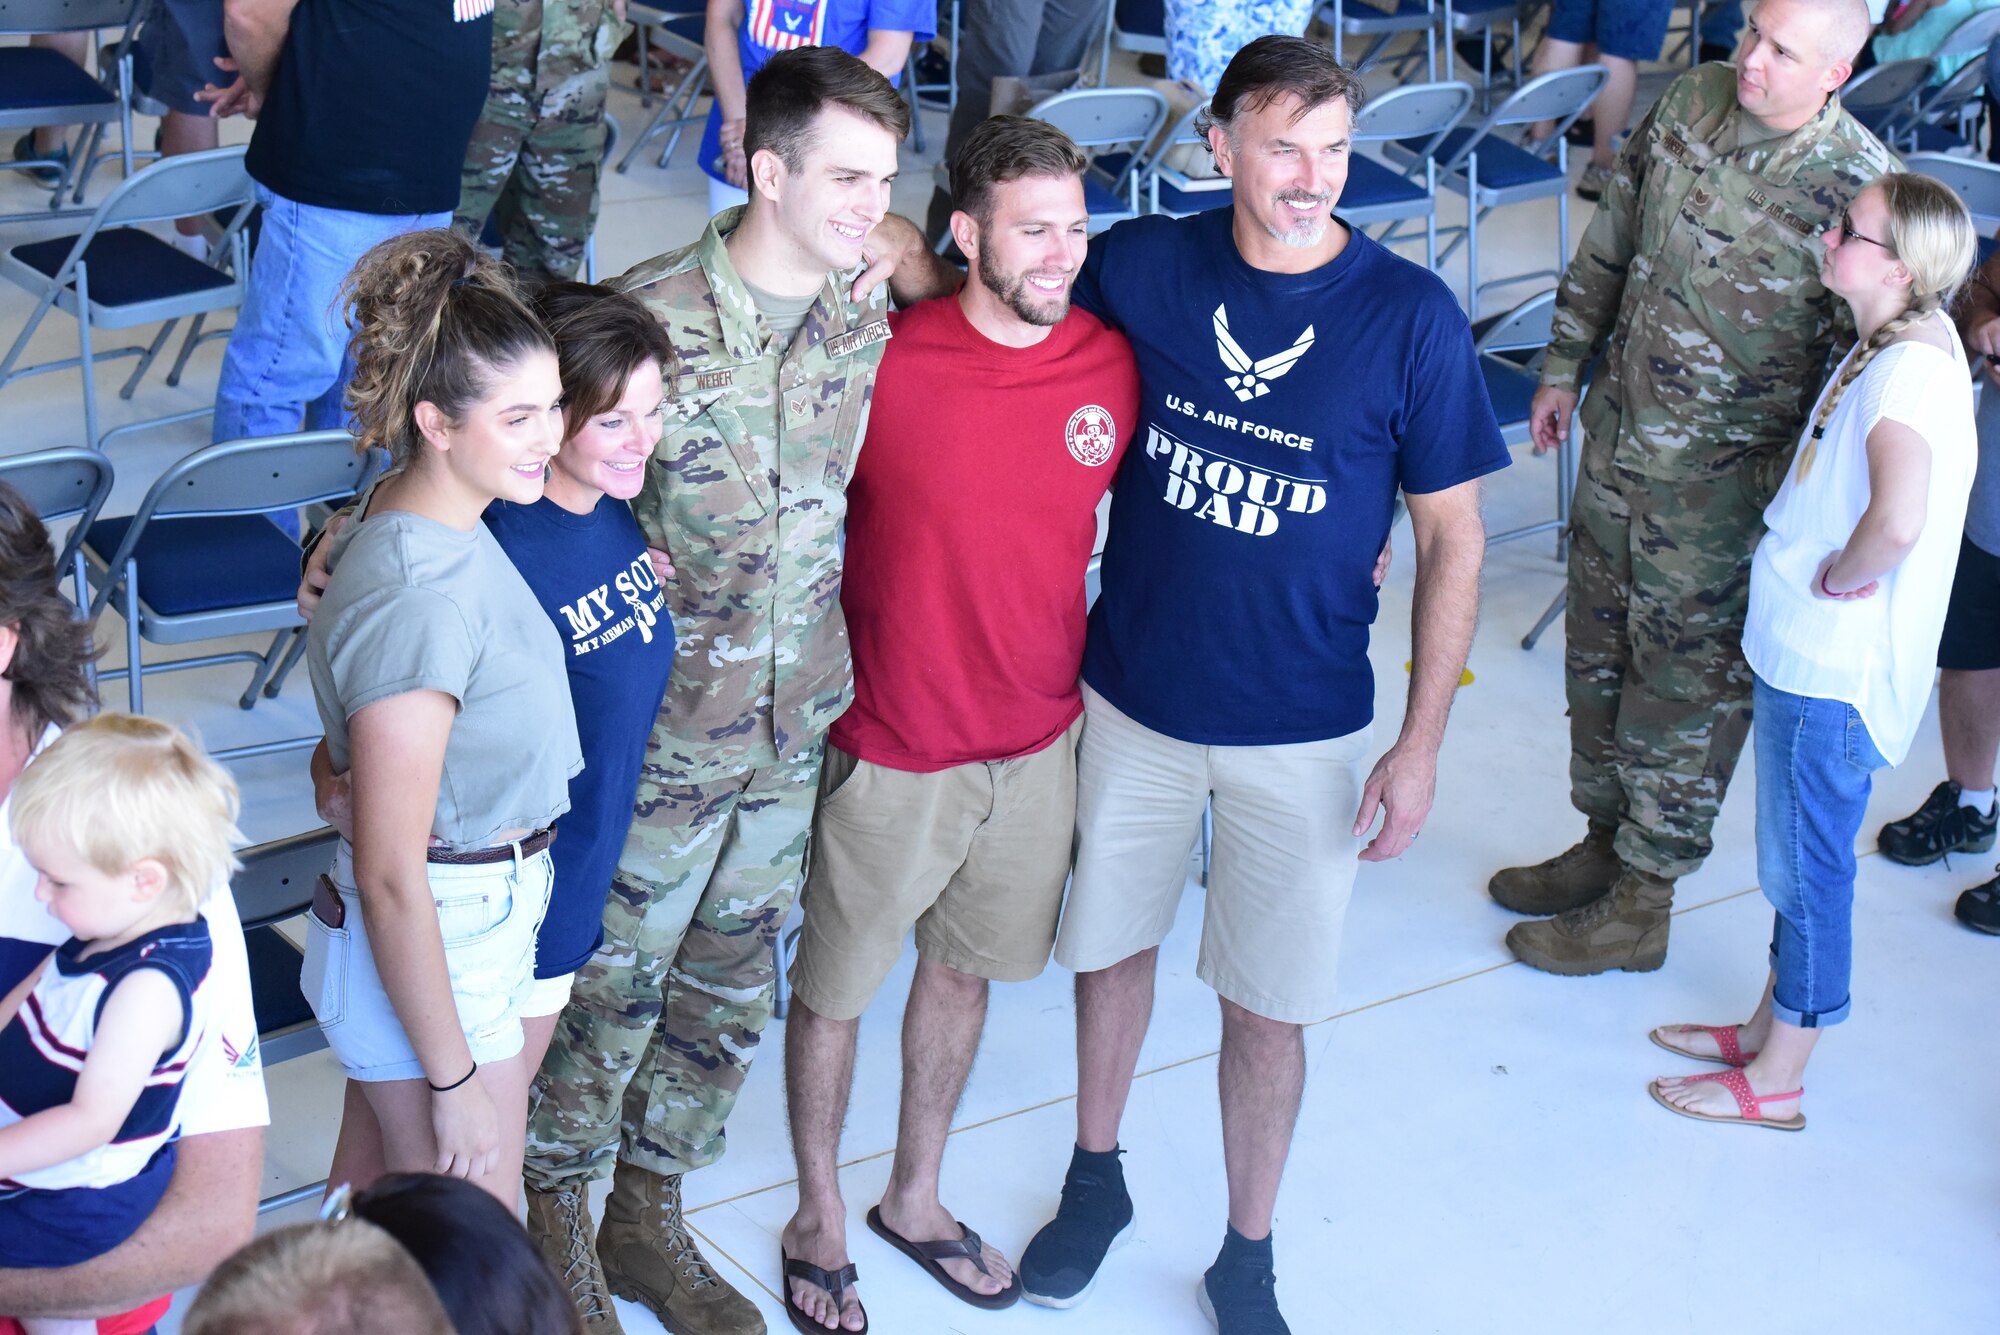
(130, 828)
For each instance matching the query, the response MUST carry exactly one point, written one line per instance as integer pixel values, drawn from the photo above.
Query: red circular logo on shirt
(1091, 435)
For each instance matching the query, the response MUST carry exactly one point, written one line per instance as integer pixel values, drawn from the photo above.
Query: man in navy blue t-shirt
(1294, 375)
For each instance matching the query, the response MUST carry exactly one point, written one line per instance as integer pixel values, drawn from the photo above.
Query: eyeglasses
(1847, 231)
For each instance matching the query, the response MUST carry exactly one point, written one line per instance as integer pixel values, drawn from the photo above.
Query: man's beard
(1304, 233)
(1018, 296)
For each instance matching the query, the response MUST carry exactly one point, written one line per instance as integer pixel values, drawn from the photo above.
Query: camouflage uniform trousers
(663, 1022)
(536, 157)
(1659, 694)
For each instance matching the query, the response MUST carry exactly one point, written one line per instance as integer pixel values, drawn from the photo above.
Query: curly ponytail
(1932, 234)
(434, 321)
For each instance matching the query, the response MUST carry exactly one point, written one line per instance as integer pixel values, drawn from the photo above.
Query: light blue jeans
(1815, 768)
(285, 369)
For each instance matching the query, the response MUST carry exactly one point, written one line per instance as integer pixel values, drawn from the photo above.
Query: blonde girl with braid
(440, 681)
(1847, 602)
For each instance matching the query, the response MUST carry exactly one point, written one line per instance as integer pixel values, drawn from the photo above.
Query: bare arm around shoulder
(396, 749)
(210, 1210)
(897, 254)
(1451, 545)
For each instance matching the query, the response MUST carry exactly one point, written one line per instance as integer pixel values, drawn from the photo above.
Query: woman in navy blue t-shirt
(582, 554)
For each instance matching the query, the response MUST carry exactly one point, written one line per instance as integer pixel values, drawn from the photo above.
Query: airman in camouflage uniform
(747, 492)
(1698, 282)
(538, 150)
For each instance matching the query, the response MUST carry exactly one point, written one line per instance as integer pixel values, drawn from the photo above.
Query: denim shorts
(1629, 29)
(487, 914)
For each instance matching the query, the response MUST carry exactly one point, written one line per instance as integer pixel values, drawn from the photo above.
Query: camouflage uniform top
(565, 43)
(747, 491)
(1701, 271)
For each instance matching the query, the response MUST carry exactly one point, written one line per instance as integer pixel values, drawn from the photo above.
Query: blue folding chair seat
(127, 267)
(1173, 199)
(1928, 138)
(1098, 197)
(204, 565)
(1987, 245)
(1371, 185)
(1511, 391)
(1502, 166)
(35, 76)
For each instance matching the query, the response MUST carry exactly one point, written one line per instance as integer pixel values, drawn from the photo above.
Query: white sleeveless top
(1878, 654)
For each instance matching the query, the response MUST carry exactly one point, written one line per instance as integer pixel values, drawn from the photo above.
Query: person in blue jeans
(363, 110)
(1848, 592)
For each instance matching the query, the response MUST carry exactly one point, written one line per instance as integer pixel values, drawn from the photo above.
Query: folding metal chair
(201, 561)
(1492, 172)
(1115, 127)
(677, 26)
(1977, 183)
(275, 885)
(1943, 121)
(1165, 188)
(937, 95)
(63, 484)
(1511, 382)
(1882, 97)
(1360, 18)
(114, 275)
(41, 88)
(1377, 193)
(1480, 19)
(1132, 25)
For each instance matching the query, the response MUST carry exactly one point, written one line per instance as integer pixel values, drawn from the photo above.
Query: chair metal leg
(788, 950)
(265, 667)
(134, 691)
(1472, 236)
(188, 345)
(292, 657)
(89, 357)
(146, 358)
(1547, 619)
(910, 92)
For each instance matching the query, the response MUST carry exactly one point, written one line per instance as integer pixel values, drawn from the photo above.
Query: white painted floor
(1477, 1151)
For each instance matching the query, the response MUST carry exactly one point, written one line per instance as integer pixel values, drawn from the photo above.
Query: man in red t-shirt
(948, 798)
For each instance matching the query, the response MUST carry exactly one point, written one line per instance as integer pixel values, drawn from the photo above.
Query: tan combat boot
(1569, 880)
(650, 1258)
(559, 1224)
(1625, 929)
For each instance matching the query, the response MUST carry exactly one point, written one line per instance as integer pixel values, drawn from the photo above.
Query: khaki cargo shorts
(1281, 863)
(973, 857)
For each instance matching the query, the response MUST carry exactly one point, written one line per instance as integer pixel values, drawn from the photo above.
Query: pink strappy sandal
(1731, 1054)
(1749, 1103)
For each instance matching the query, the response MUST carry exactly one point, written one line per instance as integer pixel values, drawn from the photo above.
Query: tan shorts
(974, 857)
(1281, 864)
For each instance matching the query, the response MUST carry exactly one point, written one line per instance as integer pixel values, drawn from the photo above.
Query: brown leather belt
(475, 857)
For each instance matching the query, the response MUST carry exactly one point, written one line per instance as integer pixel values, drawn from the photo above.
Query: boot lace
(581, 1271)
(1588, 916)
(683, 1255)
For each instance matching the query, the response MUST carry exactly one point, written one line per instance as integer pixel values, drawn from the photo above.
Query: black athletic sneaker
(1239, 1293)
(1938, 827)
(1979, 907)
(1059, 1268)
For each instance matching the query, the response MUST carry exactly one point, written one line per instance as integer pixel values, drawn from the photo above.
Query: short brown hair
(1271, 67)
(49, 673)
(349, 1278)
(602, 336)
(1006, 148)
(787, 95)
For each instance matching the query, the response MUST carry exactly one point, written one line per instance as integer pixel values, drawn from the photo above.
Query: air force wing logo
(1250, 376)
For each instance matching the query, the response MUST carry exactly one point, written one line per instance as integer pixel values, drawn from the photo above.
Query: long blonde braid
(1931, 233)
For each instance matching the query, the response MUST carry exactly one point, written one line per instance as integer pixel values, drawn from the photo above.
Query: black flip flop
(834, 1282)
(929, 1255)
